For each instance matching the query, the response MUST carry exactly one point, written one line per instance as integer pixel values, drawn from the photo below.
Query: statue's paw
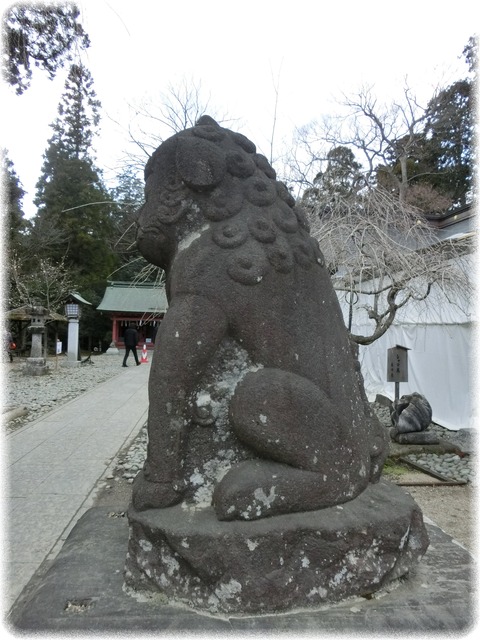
(154, 495)
(259, 489)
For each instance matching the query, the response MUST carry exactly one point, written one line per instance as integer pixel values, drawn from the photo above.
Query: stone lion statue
(256, 403)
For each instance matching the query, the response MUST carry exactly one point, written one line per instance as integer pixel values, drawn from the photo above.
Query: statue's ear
(200, 163)
(207, 120)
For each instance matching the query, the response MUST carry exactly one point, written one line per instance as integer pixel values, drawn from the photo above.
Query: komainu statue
(241, 267)
(259, 429)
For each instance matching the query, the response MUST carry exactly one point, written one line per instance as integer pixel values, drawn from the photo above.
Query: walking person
(130, 339)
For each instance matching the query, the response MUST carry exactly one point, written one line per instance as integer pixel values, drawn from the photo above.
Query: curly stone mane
(218, 180)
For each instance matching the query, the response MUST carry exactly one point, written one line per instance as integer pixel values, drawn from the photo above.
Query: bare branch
(386, 253)
(154, 121)
(44, 283)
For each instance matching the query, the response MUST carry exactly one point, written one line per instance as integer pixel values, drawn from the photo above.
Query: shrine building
(144, 304)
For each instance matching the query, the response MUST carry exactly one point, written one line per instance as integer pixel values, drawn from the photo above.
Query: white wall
(440, 367)
(442, 363)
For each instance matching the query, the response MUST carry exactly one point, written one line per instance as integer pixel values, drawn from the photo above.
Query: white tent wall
(440, 337)
(440, 363)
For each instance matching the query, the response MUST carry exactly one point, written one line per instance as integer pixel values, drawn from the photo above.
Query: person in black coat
(130, 339)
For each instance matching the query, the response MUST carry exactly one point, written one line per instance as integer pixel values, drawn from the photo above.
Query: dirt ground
(452, 508)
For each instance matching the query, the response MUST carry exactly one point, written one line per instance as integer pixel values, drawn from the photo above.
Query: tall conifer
(73, 203)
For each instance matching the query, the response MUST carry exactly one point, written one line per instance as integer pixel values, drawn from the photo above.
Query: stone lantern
(73, 311)
(36, 364)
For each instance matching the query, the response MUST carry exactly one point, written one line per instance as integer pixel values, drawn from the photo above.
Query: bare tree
(386, 139)
(382, 254)
(154, 121)
(386, 136)
(380, 250)
(304, 158)
(46, 283)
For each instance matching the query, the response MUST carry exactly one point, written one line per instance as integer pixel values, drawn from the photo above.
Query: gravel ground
(41, 394)
(454, 465)
(451, 507)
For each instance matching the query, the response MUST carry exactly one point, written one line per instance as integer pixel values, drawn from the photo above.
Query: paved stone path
(53, 464)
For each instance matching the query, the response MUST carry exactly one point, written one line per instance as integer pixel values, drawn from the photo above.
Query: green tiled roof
(134, 298)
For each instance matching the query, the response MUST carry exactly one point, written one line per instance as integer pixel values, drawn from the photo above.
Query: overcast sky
(239, 52)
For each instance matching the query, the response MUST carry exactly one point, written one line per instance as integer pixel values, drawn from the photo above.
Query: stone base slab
(36, 367)
(279, 563)
(437, 599)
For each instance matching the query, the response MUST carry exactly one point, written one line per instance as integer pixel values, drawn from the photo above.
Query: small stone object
(411, 415)
(416, 437)
(112, 350)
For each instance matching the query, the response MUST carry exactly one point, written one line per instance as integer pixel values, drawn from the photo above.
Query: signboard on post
(397, 366)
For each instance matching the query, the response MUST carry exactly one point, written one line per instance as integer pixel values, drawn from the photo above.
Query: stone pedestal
(36, 367)
(275, 564)
(415, 437)
(112, 350)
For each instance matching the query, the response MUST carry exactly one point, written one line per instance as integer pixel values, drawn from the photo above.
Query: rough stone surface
(417, 437)
(82, 592)
(410, 417)
(35, 367)
(258, 420)
(252, 362)
(276, 563)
